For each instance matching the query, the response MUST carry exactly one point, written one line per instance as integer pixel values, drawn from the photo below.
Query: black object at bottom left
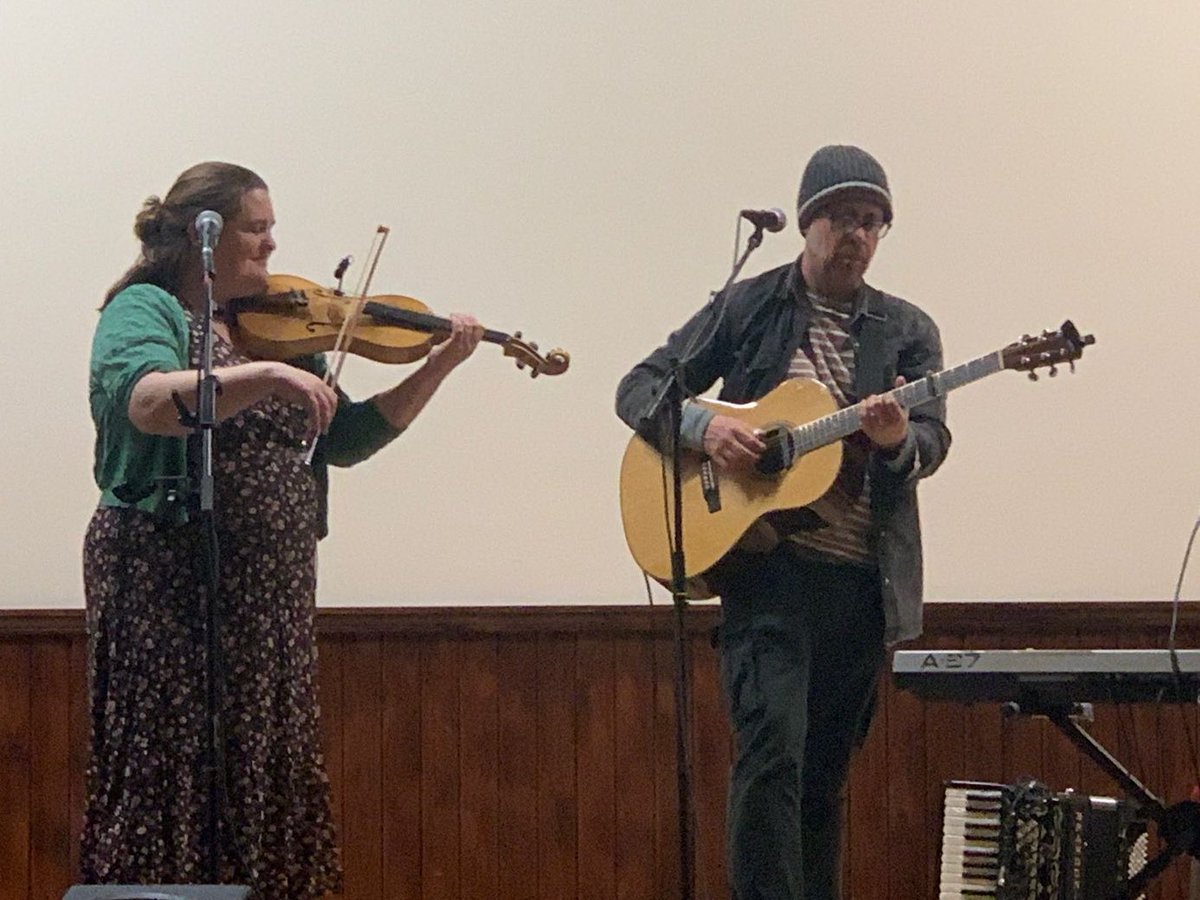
(157, 892)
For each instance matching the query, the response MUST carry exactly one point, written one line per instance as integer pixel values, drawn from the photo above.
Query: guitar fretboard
(843, 423)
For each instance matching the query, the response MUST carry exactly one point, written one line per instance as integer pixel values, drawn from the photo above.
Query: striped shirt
(827, 355)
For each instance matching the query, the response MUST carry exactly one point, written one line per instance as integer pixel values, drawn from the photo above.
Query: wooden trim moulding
(977, 618)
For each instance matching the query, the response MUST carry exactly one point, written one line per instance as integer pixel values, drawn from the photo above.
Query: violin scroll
(526, 354)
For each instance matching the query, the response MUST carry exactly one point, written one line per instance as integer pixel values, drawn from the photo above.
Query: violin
(296, 317)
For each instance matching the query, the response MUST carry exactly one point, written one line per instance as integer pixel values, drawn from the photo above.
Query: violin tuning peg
(517, 334)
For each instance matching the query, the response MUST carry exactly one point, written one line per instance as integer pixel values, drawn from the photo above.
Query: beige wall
(574, 170)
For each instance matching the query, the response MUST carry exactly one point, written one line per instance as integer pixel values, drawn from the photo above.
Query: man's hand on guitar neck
(732, 444)
(735, 446)
(884, 420)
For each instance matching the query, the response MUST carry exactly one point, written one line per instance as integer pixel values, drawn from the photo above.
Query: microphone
(768, 219)
(208, 229)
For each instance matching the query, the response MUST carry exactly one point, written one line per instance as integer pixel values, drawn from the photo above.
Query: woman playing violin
(145, 557)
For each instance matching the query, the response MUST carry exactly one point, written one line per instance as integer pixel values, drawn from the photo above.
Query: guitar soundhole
(780, 452)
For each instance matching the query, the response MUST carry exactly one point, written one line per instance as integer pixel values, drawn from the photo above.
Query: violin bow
(341, 348)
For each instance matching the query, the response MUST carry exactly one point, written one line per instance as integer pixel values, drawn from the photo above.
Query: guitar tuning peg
(1053, 371)
(1072, 365)
(1026, 338)
(1033, 376)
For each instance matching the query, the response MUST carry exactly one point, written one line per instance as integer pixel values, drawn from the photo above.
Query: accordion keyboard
(970, 841)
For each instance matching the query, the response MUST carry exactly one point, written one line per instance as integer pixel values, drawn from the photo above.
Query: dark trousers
(801, 648)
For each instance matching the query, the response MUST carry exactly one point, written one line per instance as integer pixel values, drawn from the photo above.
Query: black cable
(1174, 655)
(1175, 600)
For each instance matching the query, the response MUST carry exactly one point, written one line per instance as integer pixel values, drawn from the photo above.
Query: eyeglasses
(844, 221)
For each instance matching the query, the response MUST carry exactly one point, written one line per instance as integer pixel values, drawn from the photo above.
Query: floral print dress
(146, 593)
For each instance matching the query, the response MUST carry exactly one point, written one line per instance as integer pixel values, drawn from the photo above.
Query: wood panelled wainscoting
(529, 752)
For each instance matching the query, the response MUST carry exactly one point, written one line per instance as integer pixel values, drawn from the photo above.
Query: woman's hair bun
(150, 222)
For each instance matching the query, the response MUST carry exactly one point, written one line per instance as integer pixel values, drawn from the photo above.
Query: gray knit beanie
(840, 167)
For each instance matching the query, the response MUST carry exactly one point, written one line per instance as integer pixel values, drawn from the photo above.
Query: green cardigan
(143, 329)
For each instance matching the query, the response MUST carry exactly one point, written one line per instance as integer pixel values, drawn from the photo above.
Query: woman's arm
(401, 404)
(152, 406)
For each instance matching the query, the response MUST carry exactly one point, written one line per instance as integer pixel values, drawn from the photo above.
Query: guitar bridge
(710, 486)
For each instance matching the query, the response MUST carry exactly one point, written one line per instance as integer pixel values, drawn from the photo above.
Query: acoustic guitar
(804, 432)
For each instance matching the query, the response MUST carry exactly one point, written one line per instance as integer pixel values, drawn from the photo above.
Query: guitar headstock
(526, 354)
(1050, 348)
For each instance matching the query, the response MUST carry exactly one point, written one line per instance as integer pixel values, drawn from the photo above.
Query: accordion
(1025, 841)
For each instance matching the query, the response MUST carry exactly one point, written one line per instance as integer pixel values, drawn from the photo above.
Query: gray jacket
(748, 336)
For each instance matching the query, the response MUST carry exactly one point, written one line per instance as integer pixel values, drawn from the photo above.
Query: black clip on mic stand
(203, 422)
(672, 392)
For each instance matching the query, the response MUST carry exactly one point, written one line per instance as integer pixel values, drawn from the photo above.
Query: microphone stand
(203, 424)
(673, 393)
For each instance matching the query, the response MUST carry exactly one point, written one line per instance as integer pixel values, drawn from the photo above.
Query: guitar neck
(844, 422)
